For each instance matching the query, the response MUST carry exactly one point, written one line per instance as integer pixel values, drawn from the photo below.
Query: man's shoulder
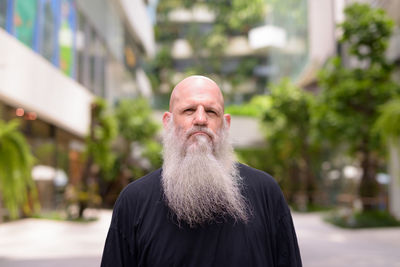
(260, 186)
(135, 196)
(148, 179)
(258, 180)
(255, 175)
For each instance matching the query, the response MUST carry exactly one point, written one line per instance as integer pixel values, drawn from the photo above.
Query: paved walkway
(325, 245)
(44, 243)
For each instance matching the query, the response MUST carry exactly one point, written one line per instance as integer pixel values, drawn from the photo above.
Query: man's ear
(166, 118)
(227, 118)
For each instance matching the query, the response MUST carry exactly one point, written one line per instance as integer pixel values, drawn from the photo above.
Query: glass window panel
(80, 48)
(48, 28)
(3, 13)
(92, 68)
(97, 55)
(290, 15)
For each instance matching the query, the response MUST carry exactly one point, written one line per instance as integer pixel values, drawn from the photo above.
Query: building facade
(56, 56)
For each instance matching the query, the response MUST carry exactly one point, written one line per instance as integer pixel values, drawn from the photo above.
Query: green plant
(17, 188)
(366, 219)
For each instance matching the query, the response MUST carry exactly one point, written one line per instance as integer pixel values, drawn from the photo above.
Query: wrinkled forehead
(198, 88)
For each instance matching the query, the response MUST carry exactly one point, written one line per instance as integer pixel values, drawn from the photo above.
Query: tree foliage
(241, 15)
(256, 107)
(367, 32)
(388, 122)
(17, 187)
(352, 93)
(134, 120)
(234, 15)
(288, 127)
(138, 132)
(116, 131)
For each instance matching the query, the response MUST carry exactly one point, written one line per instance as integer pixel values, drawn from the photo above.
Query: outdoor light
(31, 116)
(19, 112)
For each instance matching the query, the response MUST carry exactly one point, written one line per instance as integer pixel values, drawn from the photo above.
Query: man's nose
(200, 117)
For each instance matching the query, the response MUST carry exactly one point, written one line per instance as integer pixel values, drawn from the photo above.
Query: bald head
(196, 84)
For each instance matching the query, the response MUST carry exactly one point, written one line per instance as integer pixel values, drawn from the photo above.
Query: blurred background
(313, 87)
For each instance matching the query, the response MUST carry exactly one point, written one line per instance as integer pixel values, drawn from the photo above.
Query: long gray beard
(201, 181)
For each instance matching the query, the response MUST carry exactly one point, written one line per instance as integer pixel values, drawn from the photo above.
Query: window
(48, 24)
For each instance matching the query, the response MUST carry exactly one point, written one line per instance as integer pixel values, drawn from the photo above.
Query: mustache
(202, 129)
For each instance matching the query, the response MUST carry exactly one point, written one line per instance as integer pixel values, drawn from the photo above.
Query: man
(202, 208)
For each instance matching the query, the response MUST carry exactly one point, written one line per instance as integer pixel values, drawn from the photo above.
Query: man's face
(200, 179)
(197, 109)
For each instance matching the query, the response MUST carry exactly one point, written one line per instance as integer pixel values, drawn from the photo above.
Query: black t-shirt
(143, 232)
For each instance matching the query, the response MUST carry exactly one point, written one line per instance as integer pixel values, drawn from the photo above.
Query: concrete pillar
(394, 170)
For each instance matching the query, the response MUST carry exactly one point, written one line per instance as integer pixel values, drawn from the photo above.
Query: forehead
(197, 91)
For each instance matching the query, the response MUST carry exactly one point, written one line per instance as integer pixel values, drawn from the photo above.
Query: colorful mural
(46, 26)
(24, 20)
(67, 36)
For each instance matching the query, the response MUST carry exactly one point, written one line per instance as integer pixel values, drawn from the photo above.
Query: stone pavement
(45, 243)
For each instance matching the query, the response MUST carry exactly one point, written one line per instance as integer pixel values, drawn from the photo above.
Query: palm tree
(17, 188)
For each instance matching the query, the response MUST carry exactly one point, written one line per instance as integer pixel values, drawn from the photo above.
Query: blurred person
(202, 208)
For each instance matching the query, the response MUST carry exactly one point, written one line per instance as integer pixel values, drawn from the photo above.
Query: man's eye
(211, 112)
(189, 110)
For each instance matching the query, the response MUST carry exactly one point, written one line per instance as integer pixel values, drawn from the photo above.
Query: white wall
(27, 80)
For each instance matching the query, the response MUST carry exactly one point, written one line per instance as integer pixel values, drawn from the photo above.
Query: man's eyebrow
(211, 108)
(186, 107)
(208, 107)
(217, 110)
